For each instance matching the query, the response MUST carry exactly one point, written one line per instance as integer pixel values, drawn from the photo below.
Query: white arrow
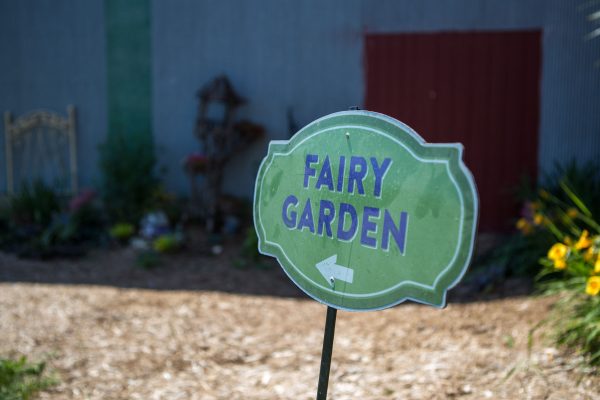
(329, 269)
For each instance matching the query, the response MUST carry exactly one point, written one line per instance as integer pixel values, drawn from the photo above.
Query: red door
(478, 88)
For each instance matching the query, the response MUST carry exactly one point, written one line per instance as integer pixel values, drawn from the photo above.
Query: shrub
(128, 167)
(81, 223)
(21, 380)
(249, 255)
(148, 259)
(582, 179)
(34, 205)
(122, 231)
(548, 212)
(166, 243)
(37, 223)
(168, 203)
(572, 269)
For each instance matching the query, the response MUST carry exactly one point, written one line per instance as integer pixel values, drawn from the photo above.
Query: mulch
(198, 328)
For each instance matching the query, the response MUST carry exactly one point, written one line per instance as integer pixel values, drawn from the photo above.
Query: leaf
(575, 199)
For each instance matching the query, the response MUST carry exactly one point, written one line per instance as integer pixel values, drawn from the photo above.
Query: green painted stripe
(129, 67)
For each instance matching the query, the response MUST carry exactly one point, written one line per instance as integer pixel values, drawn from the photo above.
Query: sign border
(422, 293)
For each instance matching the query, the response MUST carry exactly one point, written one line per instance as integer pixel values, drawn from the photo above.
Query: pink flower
(84, 198)
(195, 163)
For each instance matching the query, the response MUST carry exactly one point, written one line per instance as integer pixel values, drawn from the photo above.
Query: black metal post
(326, 354)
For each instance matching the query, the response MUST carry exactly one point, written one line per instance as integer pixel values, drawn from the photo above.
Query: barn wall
(51, 55)
(570, 98)
(309, 56)
(280, 54)
(570, 125)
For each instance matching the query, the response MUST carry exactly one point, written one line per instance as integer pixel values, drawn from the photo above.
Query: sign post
(326, 353)
(363, 214)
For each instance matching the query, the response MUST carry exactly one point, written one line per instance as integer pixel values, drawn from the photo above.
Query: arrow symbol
(331, 271)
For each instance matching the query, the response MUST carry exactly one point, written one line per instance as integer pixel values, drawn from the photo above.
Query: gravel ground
(107, 342)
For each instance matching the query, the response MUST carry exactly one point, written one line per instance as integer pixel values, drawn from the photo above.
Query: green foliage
(575, 317)
(249, 255)
(250, 245)
(167, 243)
(34, 205)
(572, 270)
(582, 180)
(167, 203)
(21, 380)
(148, 259)
(122, 231)
(129, 180)
(559, 230)
(517, 256)
(5, 225)
(38, 224)
(78, 227)
(568, 189)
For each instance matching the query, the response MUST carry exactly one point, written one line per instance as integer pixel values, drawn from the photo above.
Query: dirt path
(110, 343)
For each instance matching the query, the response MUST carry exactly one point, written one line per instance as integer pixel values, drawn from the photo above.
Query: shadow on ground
(192, 270)
(188, 270)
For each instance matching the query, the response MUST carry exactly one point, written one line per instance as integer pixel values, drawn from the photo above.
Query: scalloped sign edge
(408, 138)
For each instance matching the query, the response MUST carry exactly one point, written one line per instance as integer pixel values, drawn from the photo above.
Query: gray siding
(570, 125)
(51, 55)
(308, 56)
(279, 54)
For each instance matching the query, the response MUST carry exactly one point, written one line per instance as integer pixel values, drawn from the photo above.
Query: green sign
(362, 214)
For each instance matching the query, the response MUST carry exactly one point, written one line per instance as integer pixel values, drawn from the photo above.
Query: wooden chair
(41, 145)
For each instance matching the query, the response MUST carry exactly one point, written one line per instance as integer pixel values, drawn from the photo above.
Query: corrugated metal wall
(280, 54)
(52, 53)
(570, 125)
(477, 88)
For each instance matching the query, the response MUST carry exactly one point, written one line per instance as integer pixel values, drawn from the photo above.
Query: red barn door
(478, 88)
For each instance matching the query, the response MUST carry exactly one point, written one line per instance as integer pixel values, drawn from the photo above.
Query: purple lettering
(325, 219)
(399, 233)
(379, 173)
(308, 170)
(369, 226)
(325, 177)
(340, 179)
(342, 234)
(357, 175)
(290, 221)
(306, 219)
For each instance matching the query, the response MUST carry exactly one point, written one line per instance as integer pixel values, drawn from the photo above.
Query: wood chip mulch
(213, 342)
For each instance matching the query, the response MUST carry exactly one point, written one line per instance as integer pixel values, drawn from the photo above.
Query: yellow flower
(593, 285)
(524, 226)
(597, 265)
(568, 241)
(558, 252)
(572, 212)
(538, 219)
(589, 254)
(584, 241)
(560, 263)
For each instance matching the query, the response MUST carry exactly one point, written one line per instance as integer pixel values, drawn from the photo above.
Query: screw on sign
(363, 214)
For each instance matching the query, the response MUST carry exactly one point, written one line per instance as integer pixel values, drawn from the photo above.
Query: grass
(22, 380)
